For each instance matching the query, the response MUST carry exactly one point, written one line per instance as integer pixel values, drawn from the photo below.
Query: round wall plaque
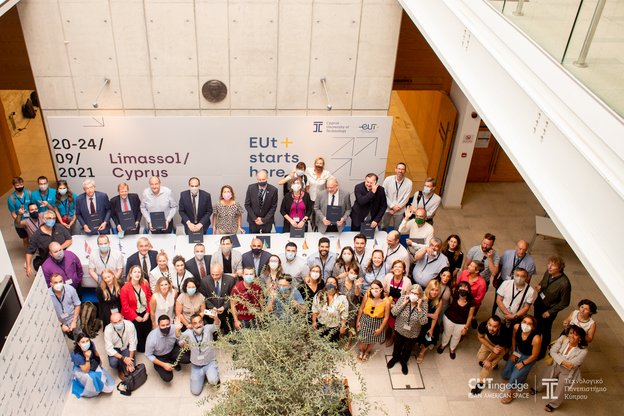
(214, 91)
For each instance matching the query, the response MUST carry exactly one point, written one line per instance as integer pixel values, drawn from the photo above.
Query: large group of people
(417, 295)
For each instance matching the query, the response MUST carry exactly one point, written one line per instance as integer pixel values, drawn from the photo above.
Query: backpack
(88, 317)
(133, 380)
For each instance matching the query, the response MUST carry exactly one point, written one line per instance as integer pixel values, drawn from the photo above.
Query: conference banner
(218, 150)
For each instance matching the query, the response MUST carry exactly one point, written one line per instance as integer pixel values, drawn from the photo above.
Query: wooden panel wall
(15, 72)
(417, 65)
(9, 166)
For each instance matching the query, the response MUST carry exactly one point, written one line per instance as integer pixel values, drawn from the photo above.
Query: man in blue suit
(257, 257)
(92, 203)
(195, 208)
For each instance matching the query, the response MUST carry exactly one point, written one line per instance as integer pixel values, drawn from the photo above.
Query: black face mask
(19, 189)
(34, 215)
(256, 251)
(165, 330)
(462, 292)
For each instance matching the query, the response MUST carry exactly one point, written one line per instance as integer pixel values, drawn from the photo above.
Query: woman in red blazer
(135, 298)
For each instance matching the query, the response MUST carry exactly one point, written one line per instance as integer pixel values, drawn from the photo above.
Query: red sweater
(128, 299)
(477, 288)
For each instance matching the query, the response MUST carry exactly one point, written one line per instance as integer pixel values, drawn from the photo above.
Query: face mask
(331, 287)
(50, 223)
(256, 251)
(426, 190)
(34, 215)
(463, 292)
(199, 256)
(165, 330)
(58, 287)
(434, 253)
(199, 330)
(413, 297)
(290, 256)
(59, 256)
(284, 290)
(347, 258)
(119, 326)
(315, 275)
(299, 172)
(194, 190)
(104, 248)
(62, 191)
(525, 327)
(352, 276)
(86, 346)
(296, 187)
(249, 278)
(262, 184)
(227, 196)
(519, 281)
(273, 265)
(19, 189)
(375, 292)
(191, 291)
(43, 188)
(419, 221)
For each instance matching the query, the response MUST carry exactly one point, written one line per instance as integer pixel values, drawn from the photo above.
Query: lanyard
(361, 259)
(105, 262)
(513, 296)
(21, 200)
(65, 203)
(428, 263)
(60, 301)
(323, 263)
(298, 207)
(398, 186)
(376, 274)
(390, 254)
(138, 295)
(121, 336)
(411, 311)
(199, 342)
(178, 280)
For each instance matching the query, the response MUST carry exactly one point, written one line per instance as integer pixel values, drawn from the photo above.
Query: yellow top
(375, 311)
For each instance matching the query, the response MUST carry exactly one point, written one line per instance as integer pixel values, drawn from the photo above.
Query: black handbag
(133, 380)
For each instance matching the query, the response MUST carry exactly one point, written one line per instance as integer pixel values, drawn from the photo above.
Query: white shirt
(398, 253)
(316, 185)
(397, 193)
(424, 232)
(164, 202)
(99, 262)
(429, 203)
(512, 296)
(297, 269)
(126, 338)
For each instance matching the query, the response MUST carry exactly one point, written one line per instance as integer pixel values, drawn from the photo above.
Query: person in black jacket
(370, 202)
(123, 202)
(195, 208)
(296, 207)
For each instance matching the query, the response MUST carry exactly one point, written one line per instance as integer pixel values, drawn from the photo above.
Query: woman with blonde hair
(163, 301)
(430, 331)
(107, 294)
(162, 269)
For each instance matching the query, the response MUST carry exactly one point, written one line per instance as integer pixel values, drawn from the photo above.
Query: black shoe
(404, 368)
(453, 355)
(475, 391)
(480, 363)
(177, 367)
(474, 324)
(440, 349)
(391, 363)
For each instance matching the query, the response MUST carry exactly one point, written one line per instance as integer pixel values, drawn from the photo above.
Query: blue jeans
(514, 375)
(114, 362)
(209, 372)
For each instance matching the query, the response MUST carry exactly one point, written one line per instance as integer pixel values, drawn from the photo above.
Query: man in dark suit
(335, 197)
(257, 257)
(93, 202)
(195, 208)
(144, 257)
(261, 203)
(216, 288)
(123, 202)
(199, 265)
(370, 203)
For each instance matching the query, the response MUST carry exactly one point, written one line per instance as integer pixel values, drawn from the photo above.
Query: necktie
(333, 199)
(261, 197)
(144, 266)
(218, 288)
(202, 269)
(125, 205)
(194, 208)
(91, 205)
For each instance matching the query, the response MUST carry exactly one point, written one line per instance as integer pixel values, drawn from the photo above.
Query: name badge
(296, 219)
(542, 295)
(66, 315)
(517, 354)
(69, 282)
(407, 327)
(201, 357)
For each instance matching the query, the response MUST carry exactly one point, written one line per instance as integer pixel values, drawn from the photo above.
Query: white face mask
(525, 327)
(194, 190)
(352, 276)
(296, 187)
(347, 257)
(519, 281)
(315, 275)
(375, 292)
(299, 172)
(290, 255)
(413, 297)
(426, 190)
(199, 256)
(58, 287)
(273, 265)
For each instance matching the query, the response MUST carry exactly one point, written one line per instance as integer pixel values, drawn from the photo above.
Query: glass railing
(585, 36)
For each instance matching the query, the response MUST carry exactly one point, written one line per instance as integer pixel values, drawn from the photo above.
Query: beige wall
(271, 55)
